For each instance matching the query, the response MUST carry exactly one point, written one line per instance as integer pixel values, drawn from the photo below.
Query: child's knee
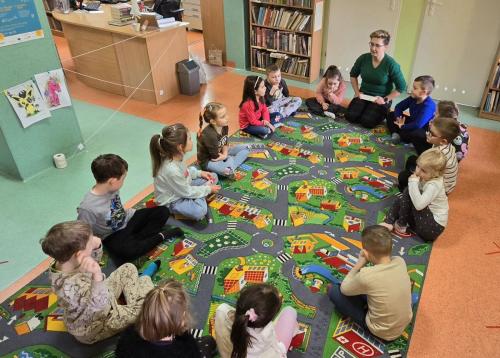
(199, 212)
(128, 270)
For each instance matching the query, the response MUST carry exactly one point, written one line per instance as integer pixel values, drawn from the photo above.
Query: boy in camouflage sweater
(89, 299)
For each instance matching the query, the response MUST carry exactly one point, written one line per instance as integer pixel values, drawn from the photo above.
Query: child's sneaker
(400, 229)
(329, 114)
(395, 138)
(151, 269)
(170, 234)
(277, 125)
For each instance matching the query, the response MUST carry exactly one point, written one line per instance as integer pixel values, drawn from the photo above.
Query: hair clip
(256, 81)
(252, 316)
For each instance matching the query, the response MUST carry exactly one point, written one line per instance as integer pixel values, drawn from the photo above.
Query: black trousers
(366, 113)
(410, 166)
(139, 236)
(421, 221)
(317, 109)
(418, 138)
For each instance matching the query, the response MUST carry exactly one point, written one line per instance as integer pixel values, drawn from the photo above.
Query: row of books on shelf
(496, 78)
(282, 41)
(282, 18)
(492, 103)
(291, 65)
(302, 3)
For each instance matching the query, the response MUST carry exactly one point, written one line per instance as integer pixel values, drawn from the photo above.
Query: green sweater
(378, 81)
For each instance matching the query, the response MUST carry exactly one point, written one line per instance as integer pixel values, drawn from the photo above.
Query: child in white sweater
(424, 204)
(181, 189)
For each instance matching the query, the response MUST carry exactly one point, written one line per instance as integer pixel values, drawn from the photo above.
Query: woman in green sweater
(382, 80)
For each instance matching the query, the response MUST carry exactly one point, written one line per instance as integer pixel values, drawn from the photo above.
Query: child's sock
(151, 269)
(171, 234)
(401, 229)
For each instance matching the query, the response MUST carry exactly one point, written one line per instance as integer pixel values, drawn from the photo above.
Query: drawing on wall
(19, 22)
(27, 103)
(53, 89)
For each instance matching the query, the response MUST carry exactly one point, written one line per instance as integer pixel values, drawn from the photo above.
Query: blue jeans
(194, 209)
(258, 131)
(352, 306)
(236, 155)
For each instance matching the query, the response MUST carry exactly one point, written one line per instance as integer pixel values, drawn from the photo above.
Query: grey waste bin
(189, 77)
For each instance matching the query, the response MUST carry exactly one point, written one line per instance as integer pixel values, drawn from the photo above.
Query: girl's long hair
(251, 85)
(266, 302)
(165, 146)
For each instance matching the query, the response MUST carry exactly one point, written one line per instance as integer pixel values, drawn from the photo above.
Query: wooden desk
(117, 59)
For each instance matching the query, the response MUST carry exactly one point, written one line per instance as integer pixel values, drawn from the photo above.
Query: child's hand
(88, 264)
(214, 188)
(274, 88)
(324, 106)
(414, 177)
(400, 121)
(207, 176)
(379, 100)
(271, 127)
(362, 260)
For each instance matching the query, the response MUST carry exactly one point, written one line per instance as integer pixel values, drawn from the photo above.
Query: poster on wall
(28, 103)
(19, 22)
(53, 89)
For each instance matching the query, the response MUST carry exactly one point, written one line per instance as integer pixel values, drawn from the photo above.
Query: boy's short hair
(427, 82)
(377, 240)
(381, 34)
(433, 161)
(107, 166)
(65, 239)
(448, 109)
(447, 127)
(272, 68)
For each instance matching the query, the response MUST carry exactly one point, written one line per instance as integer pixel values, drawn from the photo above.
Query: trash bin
(189, 77)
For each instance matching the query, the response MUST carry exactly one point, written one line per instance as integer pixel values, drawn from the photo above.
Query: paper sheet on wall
(18, 22)
(53, 89)
(27, 103)
(318, 16)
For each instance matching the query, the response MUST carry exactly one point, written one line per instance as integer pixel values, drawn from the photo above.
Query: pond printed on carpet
(291, 217)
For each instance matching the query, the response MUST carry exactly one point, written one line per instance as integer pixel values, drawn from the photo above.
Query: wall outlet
(162, 92)
(80, 146)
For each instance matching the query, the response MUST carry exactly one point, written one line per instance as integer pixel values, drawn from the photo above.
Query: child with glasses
(442, 131)
(423, 207)
(254, 116)
(421, 108)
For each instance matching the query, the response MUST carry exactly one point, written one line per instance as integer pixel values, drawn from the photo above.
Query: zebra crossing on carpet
(210, 270)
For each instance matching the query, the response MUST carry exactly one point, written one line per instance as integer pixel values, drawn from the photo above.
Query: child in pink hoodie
(329, 94)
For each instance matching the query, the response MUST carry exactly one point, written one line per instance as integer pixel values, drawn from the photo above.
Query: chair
(169, 8)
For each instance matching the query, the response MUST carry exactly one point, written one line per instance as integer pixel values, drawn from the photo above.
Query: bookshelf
(55, 26)
(283, 32)
(490, 103)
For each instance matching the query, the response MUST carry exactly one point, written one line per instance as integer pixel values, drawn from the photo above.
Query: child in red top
(254, 115)
(329, 94)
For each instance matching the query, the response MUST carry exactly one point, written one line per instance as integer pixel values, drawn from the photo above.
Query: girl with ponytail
(214, 152)
(249, 330)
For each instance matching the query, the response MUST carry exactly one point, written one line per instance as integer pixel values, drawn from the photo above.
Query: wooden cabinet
(490, 103)
(192, 14)
(214, 35)
(288, 33)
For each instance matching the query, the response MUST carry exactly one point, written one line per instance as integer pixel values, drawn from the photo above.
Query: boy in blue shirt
(421, 108)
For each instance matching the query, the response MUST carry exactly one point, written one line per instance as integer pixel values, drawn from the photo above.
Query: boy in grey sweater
(89, 299)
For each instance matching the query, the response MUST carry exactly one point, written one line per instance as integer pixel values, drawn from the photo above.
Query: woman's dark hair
(332, 72)
(265, 300)
(210, 112)
(249, 87)
(166, 145)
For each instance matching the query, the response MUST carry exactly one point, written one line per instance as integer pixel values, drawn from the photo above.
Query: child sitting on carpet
(329, 94)
(181, 189)
(254, 116)
(421, 108)
(277, 97)
(214, 152)
(378, 297)
(249, 331)
(424, 204)
(461, 142)
(88, 298)
(162, 328)
(126, 233)
(441, 133)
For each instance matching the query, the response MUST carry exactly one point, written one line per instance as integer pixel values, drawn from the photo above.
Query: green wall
(236, 30)
(410, 23)
(25, 152)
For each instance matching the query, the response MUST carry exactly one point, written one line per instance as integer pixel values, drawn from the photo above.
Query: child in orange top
(329, 94)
